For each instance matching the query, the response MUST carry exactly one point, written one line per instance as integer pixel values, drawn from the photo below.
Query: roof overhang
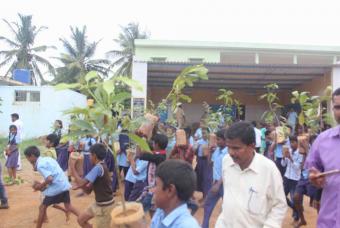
(10, 82)
(232, 76)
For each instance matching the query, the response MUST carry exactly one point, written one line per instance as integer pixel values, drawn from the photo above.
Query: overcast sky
(264, 21)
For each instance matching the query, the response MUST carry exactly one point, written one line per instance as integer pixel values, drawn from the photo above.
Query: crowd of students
(224, 164)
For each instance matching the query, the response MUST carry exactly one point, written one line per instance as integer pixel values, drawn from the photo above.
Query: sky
(262, 21)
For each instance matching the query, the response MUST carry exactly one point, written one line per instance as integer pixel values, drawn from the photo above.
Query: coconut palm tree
(126, 41)
(23, 54)
(78, 57)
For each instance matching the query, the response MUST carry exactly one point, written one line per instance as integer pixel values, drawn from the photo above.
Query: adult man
(325, 156)
(253, 189)
(19, 124)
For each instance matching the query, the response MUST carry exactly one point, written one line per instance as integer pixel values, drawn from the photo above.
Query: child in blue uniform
(12, 153)
(216, 191)
(175, 184)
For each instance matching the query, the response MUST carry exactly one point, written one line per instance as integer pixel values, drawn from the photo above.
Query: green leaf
(91, 75)
(141, 142)
(131, 83)
(120, 97)
(108, 86)
(83, 124)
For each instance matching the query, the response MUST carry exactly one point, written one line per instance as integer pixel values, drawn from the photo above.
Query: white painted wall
(38, 117)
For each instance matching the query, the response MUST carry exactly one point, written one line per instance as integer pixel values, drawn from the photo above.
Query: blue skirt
(12, 159)
(204, 175)
(87, 166)
(62, 156)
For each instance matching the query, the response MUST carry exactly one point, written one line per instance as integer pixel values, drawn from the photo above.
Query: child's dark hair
(13, 126)
(161, 140)
(267, 133)
(15, 115)
(32, 150)
(180, 174)
(293, 138)
(187, 131)
(243, 131)
(54, 139)
(221, 134)
(99, 150)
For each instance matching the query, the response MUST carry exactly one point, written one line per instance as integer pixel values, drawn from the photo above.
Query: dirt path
(24, 207)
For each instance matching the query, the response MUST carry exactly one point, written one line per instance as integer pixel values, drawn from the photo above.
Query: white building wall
(38, 117)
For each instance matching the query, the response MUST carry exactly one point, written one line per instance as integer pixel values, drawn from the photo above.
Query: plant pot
(133, 217)
(146, 129)
(181, 139)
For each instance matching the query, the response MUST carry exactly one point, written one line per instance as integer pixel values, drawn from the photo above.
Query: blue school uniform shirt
(141, 167)
(180, 217)
(200, 149)
(130, 176)
(278, 149)
(96, 171)
(122, 160)
(293, 170)
(217, 158)
(47, 166)
(198, 133)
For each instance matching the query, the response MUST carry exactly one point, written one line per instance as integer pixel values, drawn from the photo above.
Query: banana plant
(270, 116)
(229, 102)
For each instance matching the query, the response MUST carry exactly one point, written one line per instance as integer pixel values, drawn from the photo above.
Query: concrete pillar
(335, 77)
(138, 98)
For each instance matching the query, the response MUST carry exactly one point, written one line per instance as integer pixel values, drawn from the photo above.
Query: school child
(292, 159)
(203, 168)
(75, 162)
(175, 184)
(12, 153)
(87, 142)
(63, 154)
(138, 169)
(124, 142)
(55, 186)
(98, 180)
(58, 127)
(185, 153)
(51, 142)
(155, 158)
(3, 196)
(216, 191)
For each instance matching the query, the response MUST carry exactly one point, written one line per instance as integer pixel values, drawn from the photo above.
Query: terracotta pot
(280, 135)
(212, 140)
(205, 149)
(152, 118)
(133, 217)
(146, 129)
(181, 139)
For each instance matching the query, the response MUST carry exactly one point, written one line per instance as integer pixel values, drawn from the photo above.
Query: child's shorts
(102, 214)
(63, 197)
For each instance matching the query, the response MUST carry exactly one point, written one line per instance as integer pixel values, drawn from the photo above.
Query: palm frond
(11, 27)
(69, 48)
(44, 62)
(9, 42)
(42, 48)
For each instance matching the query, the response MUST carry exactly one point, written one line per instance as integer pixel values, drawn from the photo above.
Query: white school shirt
(253, 197)
(257, 137)
(293, 170)
(19, 124)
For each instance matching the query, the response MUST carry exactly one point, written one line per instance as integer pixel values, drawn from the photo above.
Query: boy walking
(292, 159)
(175, 184)
(98, 180)
(216, 191)
(55, 187)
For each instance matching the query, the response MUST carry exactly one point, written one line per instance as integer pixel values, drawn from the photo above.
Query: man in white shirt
(253, 188)
(258, 135)
(19, 124)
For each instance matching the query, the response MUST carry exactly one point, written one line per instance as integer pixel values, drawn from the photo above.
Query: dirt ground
(24, 207)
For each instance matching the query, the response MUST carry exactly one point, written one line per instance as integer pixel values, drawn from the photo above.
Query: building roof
(10, 82)
(238, 46)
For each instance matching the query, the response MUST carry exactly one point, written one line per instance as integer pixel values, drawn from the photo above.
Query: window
(27, 96)
(196, 60)
(35, 96)
(21, 95)
(158, 59)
